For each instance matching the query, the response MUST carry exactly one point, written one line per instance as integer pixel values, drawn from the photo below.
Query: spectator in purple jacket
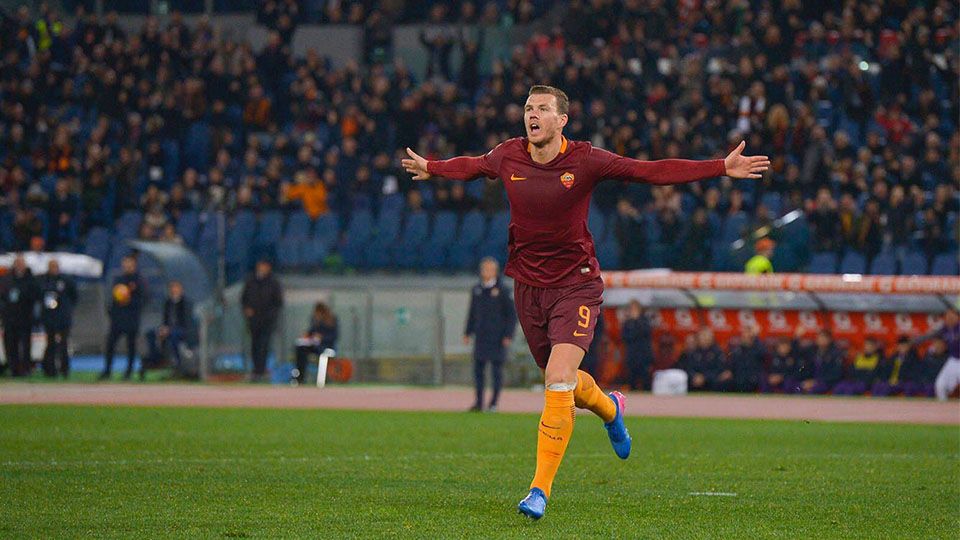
(782, 374)
(892, 371)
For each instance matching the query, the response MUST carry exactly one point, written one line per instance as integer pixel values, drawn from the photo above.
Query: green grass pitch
(229, 473)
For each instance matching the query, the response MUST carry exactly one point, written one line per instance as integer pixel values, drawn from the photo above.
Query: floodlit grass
(191, 473)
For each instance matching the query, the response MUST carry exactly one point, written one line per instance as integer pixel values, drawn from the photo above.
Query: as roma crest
(566, 179)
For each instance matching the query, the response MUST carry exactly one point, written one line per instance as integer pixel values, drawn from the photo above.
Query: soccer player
(549, 180)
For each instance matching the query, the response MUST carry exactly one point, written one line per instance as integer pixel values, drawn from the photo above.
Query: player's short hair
(563, 102)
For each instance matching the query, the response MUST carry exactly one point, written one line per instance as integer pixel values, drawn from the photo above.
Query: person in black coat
(18, 297)
(127, 298)
(638, 341)
(321, 335)
(58, 295)
(174, 330)
(262, 299)
(746, 358)
(491, 321)
(706, 365)
(822, 366)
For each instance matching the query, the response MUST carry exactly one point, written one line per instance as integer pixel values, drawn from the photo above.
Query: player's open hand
(741, 166)
(416, 165)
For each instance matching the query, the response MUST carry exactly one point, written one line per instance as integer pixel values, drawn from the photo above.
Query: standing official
(58, 295)
(262, 299)
(491, 321)
(127, 297)
(18, 296)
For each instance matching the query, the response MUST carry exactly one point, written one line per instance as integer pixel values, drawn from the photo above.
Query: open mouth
(534, 128)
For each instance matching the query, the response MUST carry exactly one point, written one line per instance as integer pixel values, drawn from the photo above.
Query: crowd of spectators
(856, 105)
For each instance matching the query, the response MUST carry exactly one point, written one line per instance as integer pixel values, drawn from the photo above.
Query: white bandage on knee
(562, 387)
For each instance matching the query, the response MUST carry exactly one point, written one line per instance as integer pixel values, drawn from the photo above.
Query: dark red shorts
(562, 315)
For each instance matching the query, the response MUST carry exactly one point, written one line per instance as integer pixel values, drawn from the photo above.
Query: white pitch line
(712, 494)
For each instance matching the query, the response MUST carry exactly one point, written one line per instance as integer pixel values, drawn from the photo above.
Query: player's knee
(560, 375)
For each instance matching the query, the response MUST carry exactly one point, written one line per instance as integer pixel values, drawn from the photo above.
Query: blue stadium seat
(129, 224)
(298, 225)
(884, 264)
(651, 226)
(188, 227)
(270, 229)
(413, 236)
(379, 252)
(597, 223)
(97, 244)
(442, 234)
(472, 230)
(359, 232)
(853, 263)
(913, 264)
(608, 254)
(945, 264)
(238, 251)
(290, 251)
(773, 202)
(733, 227)
(495, 245)
(823, 263)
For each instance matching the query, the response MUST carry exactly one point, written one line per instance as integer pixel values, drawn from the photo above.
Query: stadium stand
(175, 123)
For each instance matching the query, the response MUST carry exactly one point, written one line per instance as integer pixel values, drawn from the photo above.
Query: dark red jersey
(550, 245)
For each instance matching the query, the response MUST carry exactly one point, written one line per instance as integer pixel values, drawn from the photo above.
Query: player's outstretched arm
(679, 171)
(458, 168)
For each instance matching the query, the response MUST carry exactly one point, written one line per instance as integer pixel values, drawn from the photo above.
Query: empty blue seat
(597, 223)
(853, 263)
(289, 251)
(327, 227)
(188, 227)
(734, 226)
(97, 244)
(608, 254)
(314, 251)
(823, 263)
(884, 264)
(271, 227)
(379, 251)
(442, 234)
(413, 237)
(913, 264)
(462, 253)
(298, 225)
(129, 224)
(359, 232)
(495, 244)
(773, 202)
(945, 264)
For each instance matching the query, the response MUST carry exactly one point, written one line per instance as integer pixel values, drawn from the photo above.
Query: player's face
(541, 119)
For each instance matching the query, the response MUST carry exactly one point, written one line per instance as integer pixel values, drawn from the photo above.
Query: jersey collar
(563, 145)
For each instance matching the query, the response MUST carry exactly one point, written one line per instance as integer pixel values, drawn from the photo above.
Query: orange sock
(555, 429)
(588, 395)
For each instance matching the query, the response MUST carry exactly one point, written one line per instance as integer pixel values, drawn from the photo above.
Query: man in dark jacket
(784, 367)
(262, 299)
(892, 370)
(321, 335)
(127, 297)
(18, 297)
(58, 297)
(491, 321)
(822, 366)
(638, 342)
(174, 330)
(706, 366)
(747, 358)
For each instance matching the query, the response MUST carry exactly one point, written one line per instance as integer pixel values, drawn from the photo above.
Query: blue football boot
(533, 504)
(617, 430)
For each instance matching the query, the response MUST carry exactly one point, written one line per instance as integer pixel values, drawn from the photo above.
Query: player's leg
(573, 320)
(556, 425)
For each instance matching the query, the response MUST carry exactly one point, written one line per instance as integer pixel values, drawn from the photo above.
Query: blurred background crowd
(108, 134)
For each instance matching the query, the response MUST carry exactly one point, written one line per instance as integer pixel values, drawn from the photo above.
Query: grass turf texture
(190, 472)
